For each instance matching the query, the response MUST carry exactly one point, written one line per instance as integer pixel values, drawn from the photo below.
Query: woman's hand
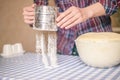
(71, 17)
(29, 14)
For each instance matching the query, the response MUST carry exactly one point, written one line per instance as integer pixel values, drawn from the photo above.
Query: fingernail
(66, 27)
(62, 27)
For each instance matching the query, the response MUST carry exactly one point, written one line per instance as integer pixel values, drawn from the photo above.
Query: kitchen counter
(30, 67)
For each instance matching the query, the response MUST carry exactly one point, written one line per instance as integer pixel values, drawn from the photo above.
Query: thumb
(33, 5)
(58, 14)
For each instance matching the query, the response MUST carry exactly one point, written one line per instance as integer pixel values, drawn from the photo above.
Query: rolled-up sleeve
(110, 6)
(118, 1)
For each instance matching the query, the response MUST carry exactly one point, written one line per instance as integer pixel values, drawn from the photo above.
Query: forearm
(110, 6)
(118, 1)
(94, 10)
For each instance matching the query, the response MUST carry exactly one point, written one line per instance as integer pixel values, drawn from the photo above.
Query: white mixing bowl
(99, 49)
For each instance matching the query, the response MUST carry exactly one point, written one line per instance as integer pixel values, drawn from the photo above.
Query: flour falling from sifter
(52, 48)
(46, 45)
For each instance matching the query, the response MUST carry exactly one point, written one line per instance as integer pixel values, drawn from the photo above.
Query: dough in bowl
(99, 49)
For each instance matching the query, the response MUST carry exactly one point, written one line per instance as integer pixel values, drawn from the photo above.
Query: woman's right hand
(29, 14)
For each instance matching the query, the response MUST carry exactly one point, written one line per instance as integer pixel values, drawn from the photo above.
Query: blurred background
(14, 30)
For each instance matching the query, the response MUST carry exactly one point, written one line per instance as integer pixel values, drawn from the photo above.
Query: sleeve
(118, 1)
(41, 2)
(110, 6)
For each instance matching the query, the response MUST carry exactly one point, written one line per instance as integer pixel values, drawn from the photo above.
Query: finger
(65, 19)
(25, 13)
(74, 23)
(29, 21)
(62, 15)
(70, 21)
(29, 17)
(28, 9)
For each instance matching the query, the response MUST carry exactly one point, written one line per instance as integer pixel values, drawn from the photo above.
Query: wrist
(95, 10)
(86, 13)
